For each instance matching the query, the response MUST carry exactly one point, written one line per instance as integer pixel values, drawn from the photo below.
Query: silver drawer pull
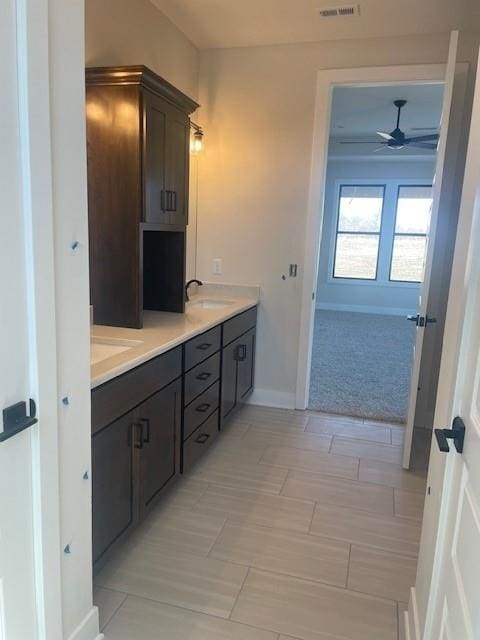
(203, 376)
(202, 438)
(203, 407)
(204, 346)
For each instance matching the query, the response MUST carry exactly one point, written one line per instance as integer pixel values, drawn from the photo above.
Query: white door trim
(326, 81)
(36, 163)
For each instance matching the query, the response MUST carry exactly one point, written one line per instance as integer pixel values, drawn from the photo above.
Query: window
(358, 231)
(412, 222)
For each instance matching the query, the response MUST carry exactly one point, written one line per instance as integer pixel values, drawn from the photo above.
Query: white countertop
(161, 332)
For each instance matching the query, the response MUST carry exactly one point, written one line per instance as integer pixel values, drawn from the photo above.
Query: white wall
(257, 109)
(128, 32)
(393, 298)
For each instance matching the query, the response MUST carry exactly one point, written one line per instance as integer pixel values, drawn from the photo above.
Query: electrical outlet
(217, 266)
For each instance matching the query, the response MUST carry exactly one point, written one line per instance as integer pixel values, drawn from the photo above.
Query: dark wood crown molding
(142, 76)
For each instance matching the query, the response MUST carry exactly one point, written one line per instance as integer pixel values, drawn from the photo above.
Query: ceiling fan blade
(430, 138)
(358, 142)
(423, 128)
(387, 136)
(423, 145)
(378, 149)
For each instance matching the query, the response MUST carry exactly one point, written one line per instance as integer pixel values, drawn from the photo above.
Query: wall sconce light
(197, 142)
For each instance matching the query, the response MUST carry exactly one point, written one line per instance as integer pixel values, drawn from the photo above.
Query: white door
(437, 189)
(454, 607)
(18, 580)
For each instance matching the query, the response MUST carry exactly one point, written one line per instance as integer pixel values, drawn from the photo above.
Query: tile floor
(294, 526)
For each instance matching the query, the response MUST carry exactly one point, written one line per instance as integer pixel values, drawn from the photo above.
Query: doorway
(377, 207)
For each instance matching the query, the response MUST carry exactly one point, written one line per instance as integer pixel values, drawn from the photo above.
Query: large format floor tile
(241, 474)
(305, 609)
(108, 602)
(368, 450)
(409, 504)
(179, 530)
(184, 493)
(391, 475)
(252, 413)
(140, 619)
(201, 584)
(262, 438)
(355, 430)
(381, 573)
(316, 461)
(361, 527)
(296, 554)
(337, 491)
(257, 508)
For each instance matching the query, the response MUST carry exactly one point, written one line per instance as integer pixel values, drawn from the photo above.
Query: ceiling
(359, 112)
(241, 23)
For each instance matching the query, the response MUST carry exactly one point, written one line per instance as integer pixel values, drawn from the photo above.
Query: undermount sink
(103, 348)
(211, 304)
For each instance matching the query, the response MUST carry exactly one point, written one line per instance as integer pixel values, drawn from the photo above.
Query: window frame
(401, 185)
(378, 233)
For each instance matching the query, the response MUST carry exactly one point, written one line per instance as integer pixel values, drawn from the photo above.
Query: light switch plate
(217, 266)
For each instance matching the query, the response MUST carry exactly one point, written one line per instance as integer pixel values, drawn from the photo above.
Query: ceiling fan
(397, 139)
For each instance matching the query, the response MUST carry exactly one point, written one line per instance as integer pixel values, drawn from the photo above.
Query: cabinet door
(177, 163)
(160, 453)
(155, 124)
(113, 482)
(246, 364)
(229, 378)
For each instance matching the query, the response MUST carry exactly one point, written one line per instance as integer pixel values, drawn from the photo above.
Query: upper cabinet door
(177, 164)
(166, 159)
(155, 124)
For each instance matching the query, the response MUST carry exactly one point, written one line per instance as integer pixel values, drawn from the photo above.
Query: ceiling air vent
(336, 12)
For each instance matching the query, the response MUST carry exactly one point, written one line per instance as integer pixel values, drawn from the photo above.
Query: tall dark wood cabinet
(138, 132)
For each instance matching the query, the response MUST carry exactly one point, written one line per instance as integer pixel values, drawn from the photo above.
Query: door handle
(146, 422)
(137, 441)
(241, 353)
(418, 319)
(16, 419)
(421, 321)
(456, 433)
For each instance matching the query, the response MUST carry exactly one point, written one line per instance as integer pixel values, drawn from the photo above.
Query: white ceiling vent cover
(337, 12)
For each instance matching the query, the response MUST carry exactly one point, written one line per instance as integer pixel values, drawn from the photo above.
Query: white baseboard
(88, 629)
(360, 308)
(272, 398)
(412, 624)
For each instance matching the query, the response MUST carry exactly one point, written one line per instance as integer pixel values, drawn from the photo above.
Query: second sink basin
(211, 304)
(103, 348)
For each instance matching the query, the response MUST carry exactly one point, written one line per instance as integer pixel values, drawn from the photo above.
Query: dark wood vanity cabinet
(113, 483)
(136, 454)
(138, 130)
(238, 361)
(159, 418)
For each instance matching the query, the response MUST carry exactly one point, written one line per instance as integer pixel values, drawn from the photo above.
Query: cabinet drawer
(199, 441)
(238, 325)
(202, 347)
(116, 397)
(200, 408)
(201, 377)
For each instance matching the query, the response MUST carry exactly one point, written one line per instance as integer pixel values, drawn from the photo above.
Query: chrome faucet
(194, 281)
